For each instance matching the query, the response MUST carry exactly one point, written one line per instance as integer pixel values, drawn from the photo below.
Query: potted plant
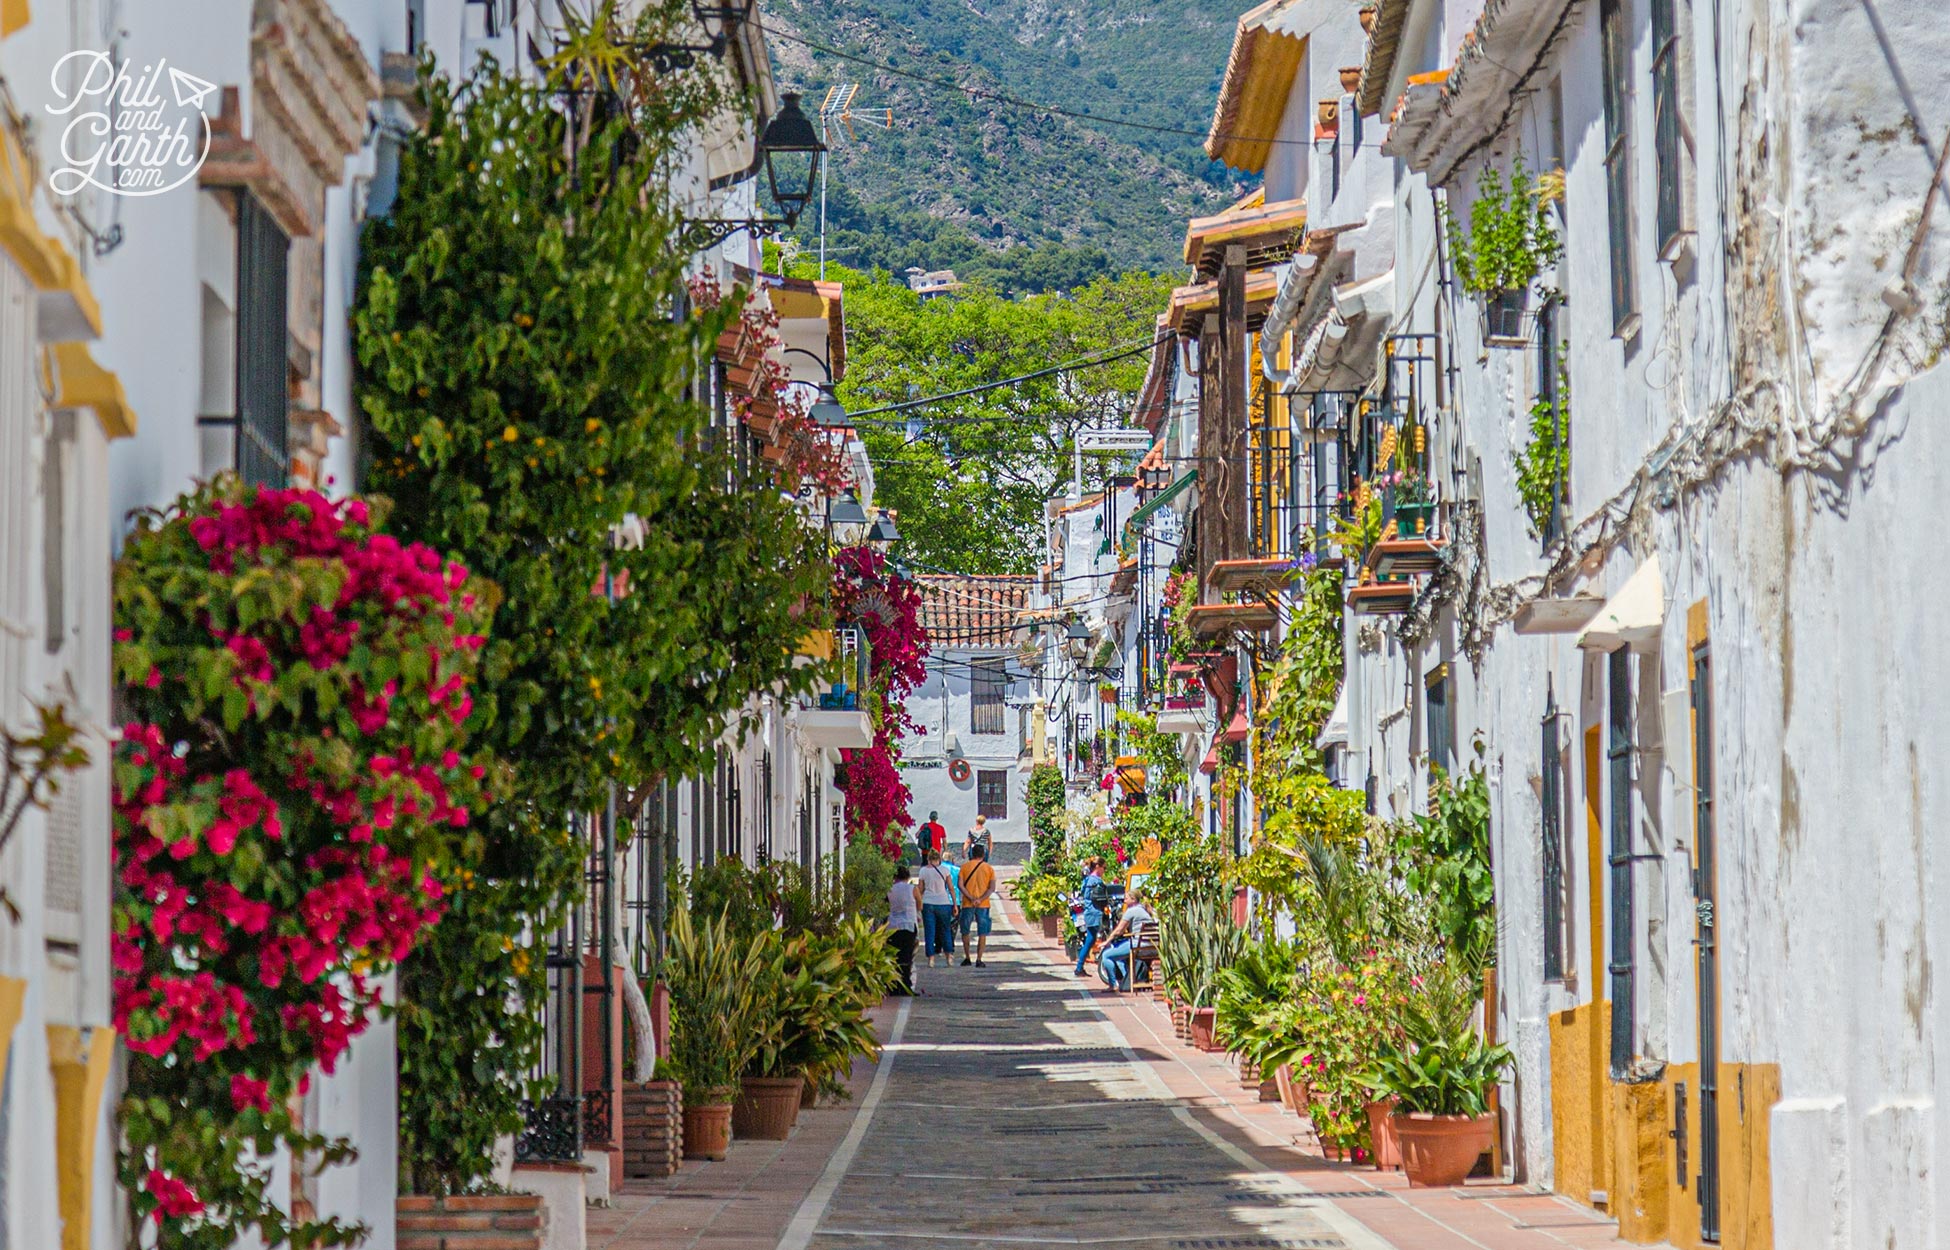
(1441, 1087)
(1044, 900)
(1106, 692)
(1414, 503)
(795, 1004)
(714, 975)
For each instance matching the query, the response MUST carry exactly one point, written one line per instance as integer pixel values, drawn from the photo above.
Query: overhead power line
(1069, 366)
(1013, 101)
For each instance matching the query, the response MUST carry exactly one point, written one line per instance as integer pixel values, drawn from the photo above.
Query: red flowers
(275, 853)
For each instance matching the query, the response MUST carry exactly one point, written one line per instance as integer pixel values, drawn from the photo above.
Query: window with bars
(1668, 122)
(1615, 48)
(992, 793)
(1550, 394)
(987, 684)
(1441, 714)
(1552, 768)
(1621, 968)
(263, 385)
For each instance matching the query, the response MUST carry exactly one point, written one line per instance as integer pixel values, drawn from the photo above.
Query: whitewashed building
(1700, 677)
(977, 715)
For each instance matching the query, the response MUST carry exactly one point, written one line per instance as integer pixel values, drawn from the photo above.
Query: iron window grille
(1705, 841)
(1615, 41)
(986, 705)
(1553, 843)
(260, 404)
(1441, 718)
(1666, 103)
(1550, 392)
(1618, 758)
(992, 793)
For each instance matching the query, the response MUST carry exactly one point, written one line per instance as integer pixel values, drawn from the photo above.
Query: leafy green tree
(527, 390)
(970, 476)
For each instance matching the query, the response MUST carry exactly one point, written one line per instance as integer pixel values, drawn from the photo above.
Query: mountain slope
(1036, 199)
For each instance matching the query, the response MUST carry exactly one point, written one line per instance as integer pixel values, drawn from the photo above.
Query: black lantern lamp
(828, 412)
(791, 150)
(1078, 636)
(718, 22)
(847, 510)
(883, 533)
(792, 154)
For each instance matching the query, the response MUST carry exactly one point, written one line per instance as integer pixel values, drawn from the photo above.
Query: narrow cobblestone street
(1019, 1106)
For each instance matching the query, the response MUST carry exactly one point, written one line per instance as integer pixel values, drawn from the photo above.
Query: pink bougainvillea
(870, 593)
(287, 795)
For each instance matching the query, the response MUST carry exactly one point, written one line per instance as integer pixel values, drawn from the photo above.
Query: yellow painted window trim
(13, 998)
(45, 260)
(14, 14)
(85, 384)
(80, 1067)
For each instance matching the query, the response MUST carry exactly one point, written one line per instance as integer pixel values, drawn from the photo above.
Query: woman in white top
(903, 916)
(938, 908)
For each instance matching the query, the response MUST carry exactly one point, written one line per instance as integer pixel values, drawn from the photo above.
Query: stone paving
(1017, 1106)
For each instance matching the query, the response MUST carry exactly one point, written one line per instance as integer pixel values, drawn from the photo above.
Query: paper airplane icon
(190, 90)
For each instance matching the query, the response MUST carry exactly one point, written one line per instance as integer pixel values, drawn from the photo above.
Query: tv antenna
(838, 107)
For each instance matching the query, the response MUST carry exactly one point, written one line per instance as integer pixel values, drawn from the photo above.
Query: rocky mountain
(1026, 198)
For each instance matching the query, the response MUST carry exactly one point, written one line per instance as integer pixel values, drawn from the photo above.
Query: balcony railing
(853, 662)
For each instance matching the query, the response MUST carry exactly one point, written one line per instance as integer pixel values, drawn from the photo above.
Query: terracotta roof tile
(973, 611)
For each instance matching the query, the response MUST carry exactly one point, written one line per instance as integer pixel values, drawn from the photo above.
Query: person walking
(934, 834)
(938, 909)
(977, 890)
(978, 836)
(1091, 922)
(903, 917)
(1115, 965)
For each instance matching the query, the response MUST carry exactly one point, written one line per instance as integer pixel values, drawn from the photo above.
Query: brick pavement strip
(1022, 1107)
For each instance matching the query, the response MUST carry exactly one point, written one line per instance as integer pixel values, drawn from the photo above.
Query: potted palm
(866, 971)
(797, 1002)
(714, 976)
(1217, 944)
(1441, 1088)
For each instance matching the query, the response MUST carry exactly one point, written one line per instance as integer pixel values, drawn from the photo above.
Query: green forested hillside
(1024, 199)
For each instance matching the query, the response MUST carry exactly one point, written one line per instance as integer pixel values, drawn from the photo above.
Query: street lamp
(828, 411)
(846, 520)
(883, 533)
(792, 151)
(719, 22)
(1078, 636)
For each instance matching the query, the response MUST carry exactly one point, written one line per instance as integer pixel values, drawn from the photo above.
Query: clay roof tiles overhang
(1191, 305)
(1267, 231)
(1252, 96)
(973, 612)
(1444, 117)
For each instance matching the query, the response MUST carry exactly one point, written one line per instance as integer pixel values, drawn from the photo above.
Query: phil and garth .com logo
(122, 133)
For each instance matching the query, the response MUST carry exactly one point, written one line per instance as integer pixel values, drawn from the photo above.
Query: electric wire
(1013, 101)
(1069, 366)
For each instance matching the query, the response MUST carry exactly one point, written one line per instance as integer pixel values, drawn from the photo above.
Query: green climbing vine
(1544, 464)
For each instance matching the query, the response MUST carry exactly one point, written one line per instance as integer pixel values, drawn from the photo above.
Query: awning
(1334, 732)
(1143, 514)
(1633, 615)
(1239, 729)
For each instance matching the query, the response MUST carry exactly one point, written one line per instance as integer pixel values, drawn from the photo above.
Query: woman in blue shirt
(1092, 919)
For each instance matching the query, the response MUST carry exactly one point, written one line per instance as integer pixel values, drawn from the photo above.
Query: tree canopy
(969, 476)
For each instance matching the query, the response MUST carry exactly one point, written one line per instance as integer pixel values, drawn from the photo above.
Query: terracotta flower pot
(1202, 1029)
(1350, 78)
(1440, 1150)
(1248, 1073)
(1283, 1077)
(509, 1220)
(1381, 1131)
(1052, 926)
(766, 1107)
(1181, 1021)
(1367, 15)
(707, 1130)
(1269, 1090)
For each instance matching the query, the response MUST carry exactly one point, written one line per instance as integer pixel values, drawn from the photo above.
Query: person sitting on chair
(1114, 965)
